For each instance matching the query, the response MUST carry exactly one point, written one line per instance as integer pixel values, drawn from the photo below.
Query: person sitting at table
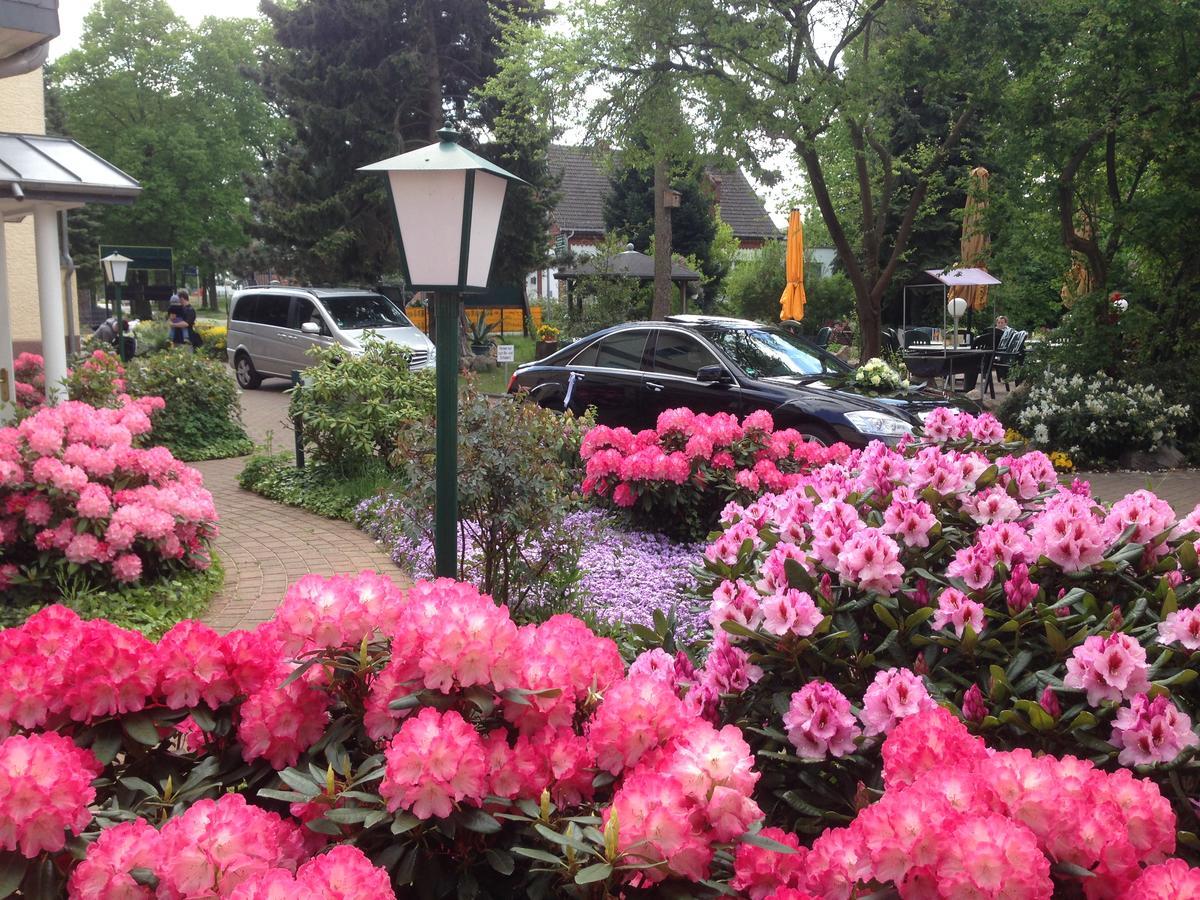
(988, 340)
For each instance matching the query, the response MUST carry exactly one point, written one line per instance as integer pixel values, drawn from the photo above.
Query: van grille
(419, 359)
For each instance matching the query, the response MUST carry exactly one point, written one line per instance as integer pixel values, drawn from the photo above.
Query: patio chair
(918, 336)
(889, 343)
(1009, 352)
(823, 334)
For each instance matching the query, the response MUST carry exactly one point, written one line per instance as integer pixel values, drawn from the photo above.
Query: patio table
(947, 363)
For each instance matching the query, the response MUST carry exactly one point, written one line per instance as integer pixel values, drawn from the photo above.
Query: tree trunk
(662, 244)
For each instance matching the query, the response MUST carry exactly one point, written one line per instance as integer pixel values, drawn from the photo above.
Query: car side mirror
(713, 375)
(310, 328)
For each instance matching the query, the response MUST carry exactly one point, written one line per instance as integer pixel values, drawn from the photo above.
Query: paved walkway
(1179, 487)
(266, 546)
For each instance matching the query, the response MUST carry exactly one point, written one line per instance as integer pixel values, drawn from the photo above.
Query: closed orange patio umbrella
(791, 303)
(975, 243)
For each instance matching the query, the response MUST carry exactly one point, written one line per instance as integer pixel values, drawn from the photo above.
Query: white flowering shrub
(1096, 418)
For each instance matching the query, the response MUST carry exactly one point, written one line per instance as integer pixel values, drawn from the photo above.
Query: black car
(630, 373)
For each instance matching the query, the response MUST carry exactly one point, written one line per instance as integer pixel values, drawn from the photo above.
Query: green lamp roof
(445, 155)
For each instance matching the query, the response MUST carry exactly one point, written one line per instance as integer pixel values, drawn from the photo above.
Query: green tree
(363, 82)
(173, 108)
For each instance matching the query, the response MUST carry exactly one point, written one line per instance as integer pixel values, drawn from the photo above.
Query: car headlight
(877, 423)
(432, 355)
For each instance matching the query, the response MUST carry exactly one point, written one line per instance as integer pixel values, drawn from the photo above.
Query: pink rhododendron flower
(735, 601)
(957, 609)
(929, 741)
(219, 844)
(342, 873)
(1172, 880)
(1108, 668)
(636, 716)
(280, 723)
(790, 612)
(1151, 731)
(1142, 511)
(992, 856)
(991, 505)
(820, 723)
(892, 696)
(986, 429)
(331, 612)
(757, 871)
(1183, 627)
(871, 560)
(104, 874)
(728, 669)
(434, 761)
(45, 791)
(1068, 533)
(910, 521)
(655, 827)
(192, 666)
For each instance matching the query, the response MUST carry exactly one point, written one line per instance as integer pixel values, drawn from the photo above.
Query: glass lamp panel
(487, 202)
(429, 209)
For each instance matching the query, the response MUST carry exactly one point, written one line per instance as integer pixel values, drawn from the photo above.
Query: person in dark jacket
(182, 319)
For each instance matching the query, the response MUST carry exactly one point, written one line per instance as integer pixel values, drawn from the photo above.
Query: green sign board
(148, 258)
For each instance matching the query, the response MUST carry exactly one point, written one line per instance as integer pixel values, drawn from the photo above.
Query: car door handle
(654, 385)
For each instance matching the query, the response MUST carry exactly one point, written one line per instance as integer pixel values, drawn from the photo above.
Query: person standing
(182, 318)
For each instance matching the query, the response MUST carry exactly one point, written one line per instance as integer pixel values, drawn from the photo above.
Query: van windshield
(365, 311)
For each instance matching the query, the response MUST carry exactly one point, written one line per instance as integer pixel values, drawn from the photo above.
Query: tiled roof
(585, 185)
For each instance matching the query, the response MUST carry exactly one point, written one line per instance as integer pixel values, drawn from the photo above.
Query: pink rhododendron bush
(949, 573)
(365, 740)
(677, 477)
(79, 498)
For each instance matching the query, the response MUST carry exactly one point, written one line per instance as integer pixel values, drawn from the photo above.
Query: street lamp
(447, 202)
(115, 267)
(956, 307)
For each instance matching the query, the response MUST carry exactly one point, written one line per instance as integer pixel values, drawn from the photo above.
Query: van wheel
(247, 378)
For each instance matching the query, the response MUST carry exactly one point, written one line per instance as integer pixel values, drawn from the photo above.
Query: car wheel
(817, 434)
(243, 369)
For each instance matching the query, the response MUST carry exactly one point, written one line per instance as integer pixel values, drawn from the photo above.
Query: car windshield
(365, 311)
(767, 353)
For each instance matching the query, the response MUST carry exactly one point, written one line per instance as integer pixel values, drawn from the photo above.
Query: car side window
(272, 309)
(621, 351)
(680, 354)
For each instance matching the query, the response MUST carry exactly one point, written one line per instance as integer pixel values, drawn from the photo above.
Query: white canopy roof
(962, 277)
(34, 167)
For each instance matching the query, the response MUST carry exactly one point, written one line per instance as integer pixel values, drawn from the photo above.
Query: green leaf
(298, 781)
(347, 815)
(919, 617)
(140, 785)
(757, 839)
(561, 839)
(1058, 643)
(406, 702)
(404, 822)
(478, 821)
(885, 616)
(140, 727)
(203, 718)
(539, 855)
(594, 873)
(500, 860)
(12, 872)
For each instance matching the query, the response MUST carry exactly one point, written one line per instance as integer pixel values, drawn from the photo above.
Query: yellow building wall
(23, 110)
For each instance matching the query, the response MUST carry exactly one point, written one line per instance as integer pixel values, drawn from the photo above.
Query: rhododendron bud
(921, 595)
(819, 722)
(1049, 702)
(826, 586)
(974, 707)
(45, 791)
(1018, 589)
(920, 666)
(1116, 619)
(1108, 668)
(1151, 731)
(434, 761)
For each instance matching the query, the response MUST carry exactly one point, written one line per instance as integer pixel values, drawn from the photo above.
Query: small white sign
(504, 353)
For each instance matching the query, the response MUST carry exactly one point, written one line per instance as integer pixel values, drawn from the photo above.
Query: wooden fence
(507, 321)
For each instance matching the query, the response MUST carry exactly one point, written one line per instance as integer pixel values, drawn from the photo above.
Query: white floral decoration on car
(877, 377)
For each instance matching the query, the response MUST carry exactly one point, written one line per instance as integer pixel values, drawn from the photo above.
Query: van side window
(304, 311)
(272, 309)
(246, 309)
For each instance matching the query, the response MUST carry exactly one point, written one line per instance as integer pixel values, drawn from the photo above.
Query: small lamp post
(956, 307)
(115, 267)
(447, 202)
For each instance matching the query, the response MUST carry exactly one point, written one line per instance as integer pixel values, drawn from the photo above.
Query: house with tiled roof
(585, 183)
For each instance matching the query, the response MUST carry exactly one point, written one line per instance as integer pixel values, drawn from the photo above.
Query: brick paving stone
(1179, 487)
(266, 546)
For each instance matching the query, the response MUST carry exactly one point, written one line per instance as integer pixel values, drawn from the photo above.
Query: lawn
(496, 381)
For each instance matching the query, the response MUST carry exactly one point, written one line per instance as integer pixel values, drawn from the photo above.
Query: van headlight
(878, 424)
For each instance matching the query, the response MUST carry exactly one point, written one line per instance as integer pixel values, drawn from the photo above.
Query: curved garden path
(266, 546)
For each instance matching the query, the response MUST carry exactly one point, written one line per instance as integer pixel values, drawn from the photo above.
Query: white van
(271, 329)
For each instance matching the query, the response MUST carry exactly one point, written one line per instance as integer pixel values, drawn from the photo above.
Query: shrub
(202, 417)
(354, 405)
(517, 466)
(678, 477)
(1097, 418)
(420, 737)
(29, 381)
(152, 337)
(963, 576)
(80, 503)
(96, 378)
(214, 336)
(318, 488)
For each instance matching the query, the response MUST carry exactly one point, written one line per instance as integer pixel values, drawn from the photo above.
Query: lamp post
(115, 267)
(447, 202)
(956, 307)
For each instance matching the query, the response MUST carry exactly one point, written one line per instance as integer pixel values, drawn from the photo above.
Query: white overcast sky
(71, 13)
